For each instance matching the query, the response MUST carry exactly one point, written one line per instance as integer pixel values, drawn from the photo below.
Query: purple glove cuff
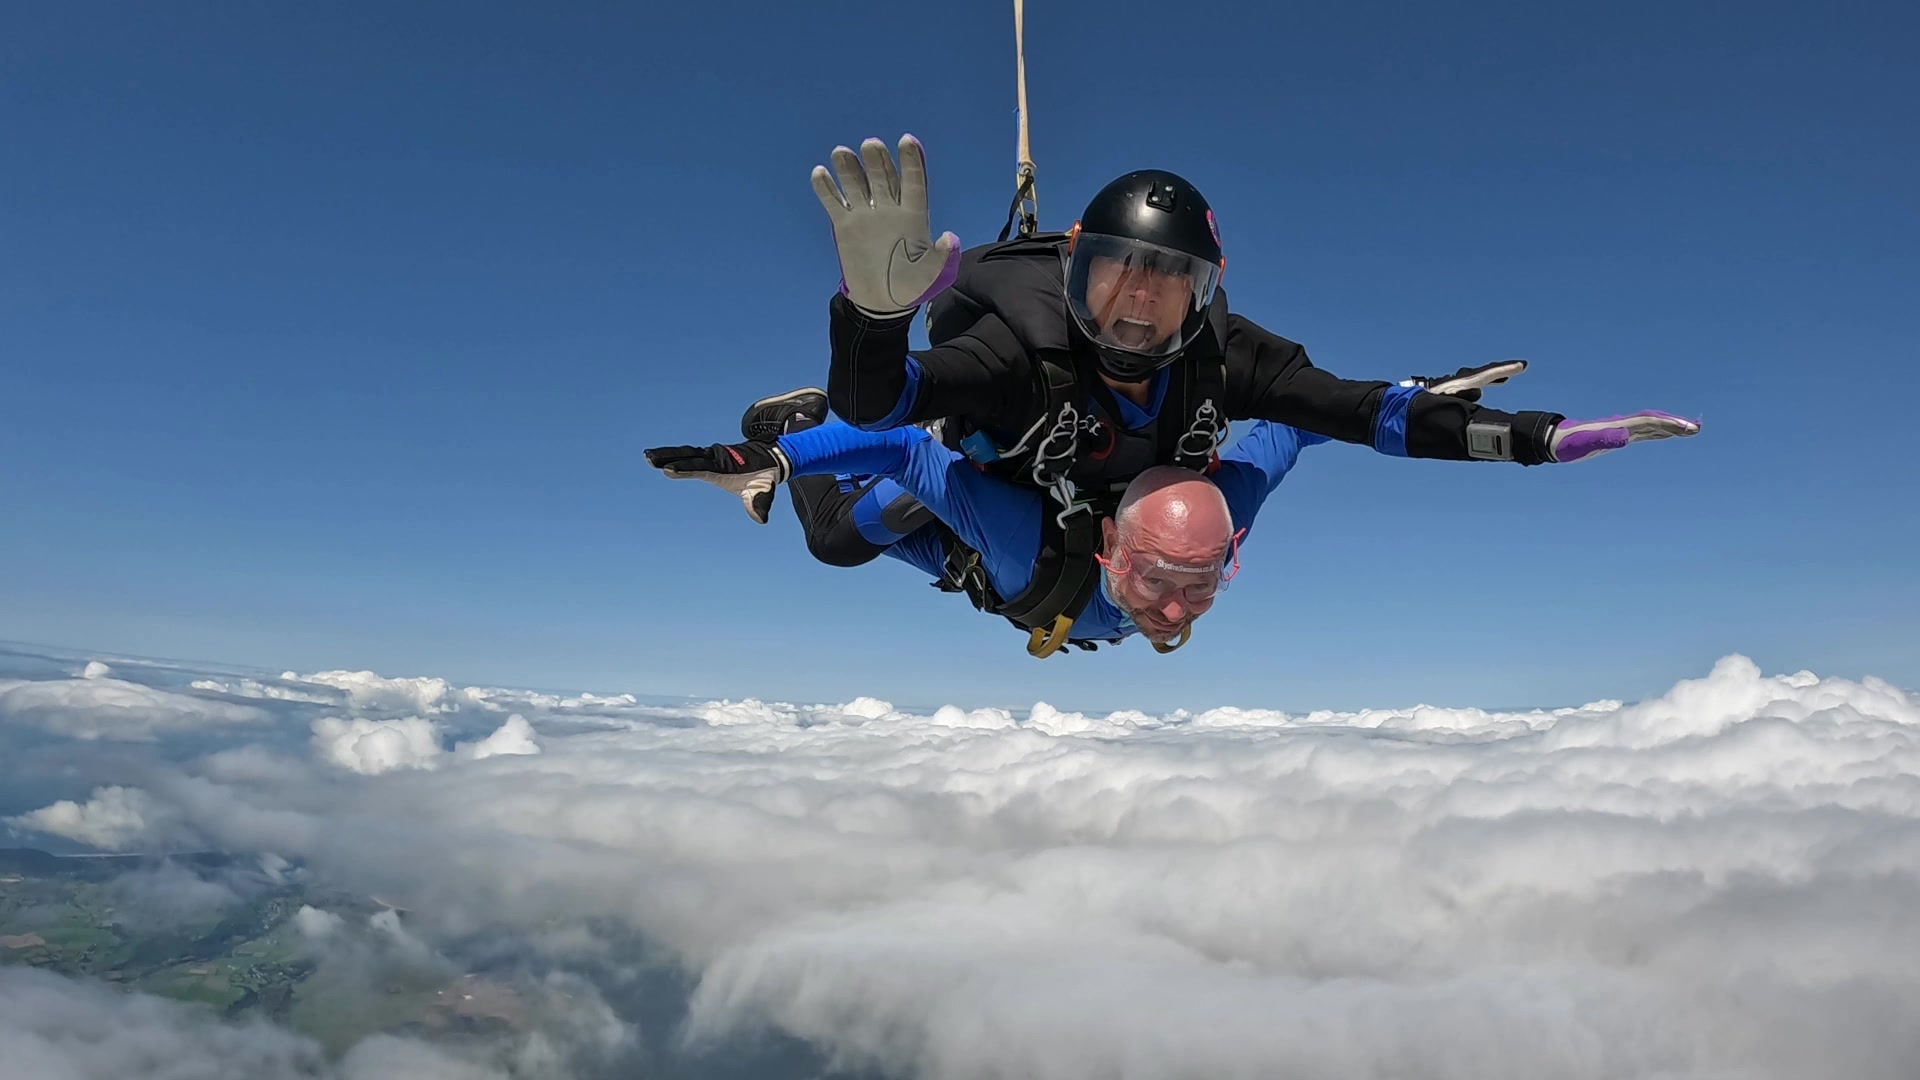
(1581, 444)
(948, 273)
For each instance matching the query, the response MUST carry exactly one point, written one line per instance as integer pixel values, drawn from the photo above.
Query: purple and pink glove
(1578, 440)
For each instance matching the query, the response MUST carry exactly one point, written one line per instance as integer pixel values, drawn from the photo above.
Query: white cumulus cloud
(369, 691)
(113, 819)
(513, 737)
(377, 746)
(316, 924)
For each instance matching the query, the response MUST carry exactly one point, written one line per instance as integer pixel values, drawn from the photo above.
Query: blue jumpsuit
(1001, 520)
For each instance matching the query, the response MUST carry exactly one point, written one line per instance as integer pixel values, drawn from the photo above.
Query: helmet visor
(1137, 297)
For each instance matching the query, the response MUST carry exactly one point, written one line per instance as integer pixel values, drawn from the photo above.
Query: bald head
(1166, 543)
(1174, 505)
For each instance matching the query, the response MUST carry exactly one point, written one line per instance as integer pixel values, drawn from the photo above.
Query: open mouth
(1132, 333)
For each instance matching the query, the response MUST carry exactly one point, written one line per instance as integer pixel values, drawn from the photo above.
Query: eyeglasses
(1153, 575)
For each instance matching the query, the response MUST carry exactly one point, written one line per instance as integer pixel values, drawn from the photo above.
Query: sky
(330, 338)
(1719, 880)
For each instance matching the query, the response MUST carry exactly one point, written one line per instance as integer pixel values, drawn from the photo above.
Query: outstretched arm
(1271, 378)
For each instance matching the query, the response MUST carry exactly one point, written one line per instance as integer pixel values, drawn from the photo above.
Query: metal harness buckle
(1066, 428)
(1206, 429)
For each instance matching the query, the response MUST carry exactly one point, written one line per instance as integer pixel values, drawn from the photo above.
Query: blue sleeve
(998, 519)
(1255, 465)
(909, 393)
(1390, 423)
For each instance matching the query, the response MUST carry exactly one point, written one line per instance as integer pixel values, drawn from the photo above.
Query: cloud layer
(95, 706)
(1720, 882)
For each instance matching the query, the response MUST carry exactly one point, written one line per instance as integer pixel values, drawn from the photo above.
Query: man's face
(1160, 581)
(1134, 305)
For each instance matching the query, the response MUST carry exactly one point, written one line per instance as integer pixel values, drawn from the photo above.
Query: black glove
(750, 470)
(1466, 383)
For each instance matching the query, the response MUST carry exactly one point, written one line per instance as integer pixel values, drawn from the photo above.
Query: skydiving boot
(796, 410)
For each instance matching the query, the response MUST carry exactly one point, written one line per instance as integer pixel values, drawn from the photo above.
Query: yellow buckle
(1047, 640)
(1185, 633)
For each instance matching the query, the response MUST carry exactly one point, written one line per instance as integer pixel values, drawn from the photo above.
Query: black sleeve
(1270, 378)
(875, 381)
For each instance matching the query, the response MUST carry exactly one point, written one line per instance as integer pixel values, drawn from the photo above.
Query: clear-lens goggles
(1157, 579)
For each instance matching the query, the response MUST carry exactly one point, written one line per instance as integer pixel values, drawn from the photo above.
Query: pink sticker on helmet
(1213, 228)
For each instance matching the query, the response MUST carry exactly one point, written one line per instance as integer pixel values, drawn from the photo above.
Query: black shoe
(771, 417)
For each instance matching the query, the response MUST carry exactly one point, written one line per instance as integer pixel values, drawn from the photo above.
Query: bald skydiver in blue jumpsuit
(1157, 571)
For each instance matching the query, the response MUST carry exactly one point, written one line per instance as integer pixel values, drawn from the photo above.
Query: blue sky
(331, 337)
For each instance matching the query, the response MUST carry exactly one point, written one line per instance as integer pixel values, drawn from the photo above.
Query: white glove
(889, 262)
(1467, 383)
(750, 469)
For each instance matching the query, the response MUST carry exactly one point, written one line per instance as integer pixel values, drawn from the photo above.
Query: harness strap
(1195, 425)
(1064, 578)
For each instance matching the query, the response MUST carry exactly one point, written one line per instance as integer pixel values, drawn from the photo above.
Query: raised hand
(889, 261)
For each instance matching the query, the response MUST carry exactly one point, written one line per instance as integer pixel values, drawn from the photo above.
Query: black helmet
(1142, 264)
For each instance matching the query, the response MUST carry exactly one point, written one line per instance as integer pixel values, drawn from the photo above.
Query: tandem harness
(1064, 578)
(1018, 281)
(1024, 292)
(1065, 575)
